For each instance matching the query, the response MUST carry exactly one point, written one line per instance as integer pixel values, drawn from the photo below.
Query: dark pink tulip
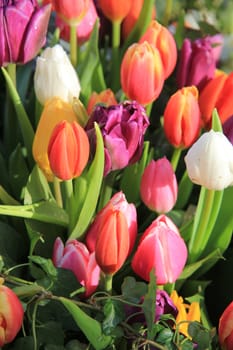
(228, 129)
(198, 60)
(23, 29)
(158, 186)
(117, 202)
(75, 256)
(123, 127)
(161, 247)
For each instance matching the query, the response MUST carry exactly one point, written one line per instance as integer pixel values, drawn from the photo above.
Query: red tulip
(142, 73)
(161, 247)
(68, 150)
(11, 315)
(76, 257)
(182, 120)
(115, 10)
(72, 11)
(160, 37)
(225, 328)
(158, 186)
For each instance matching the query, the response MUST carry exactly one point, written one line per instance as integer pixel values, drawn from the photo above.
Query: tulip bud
(160, 37)
(22, 31)
(225, 328)
(119, 203)
(217, 93)
(161, 247)
(182, 120)
(158, 186)
(142, 73)
(209, 161)
(68, 150)
(55, 76)
(115, 10)
(55, 110)
(71, 11)
(76, 257)
(11, 315)
(105, 97)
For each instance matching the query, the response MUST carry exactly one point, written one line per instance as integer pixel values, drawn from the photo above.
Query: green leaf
(89, 326)
(132, 290)
(200, 335)
(216, 121)
(149, 305)
(46, 265)
(93, 179)
(18, 172)
(114, 314)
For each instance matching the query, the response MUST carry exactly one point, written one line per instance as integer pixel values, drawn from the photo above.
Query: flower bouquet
(116, 175)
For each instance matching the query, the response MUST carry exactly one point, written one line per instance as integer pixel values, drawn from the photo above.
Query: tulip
(217, 93)
(55, 76)
(71, 11)
(158, 186)
(22, 31)
(84, 27)
(182, 120)
(115, 10)
(160, 248)
(11, 315)
(209, 161)
(228, 129)
(225, 328)
(123, 127)
(197, 62)
(68, 150)
(118, 203)
(159, 36)
(105, 97)
(74, 256)
(186, 313)
(142, 73)
(54, 111)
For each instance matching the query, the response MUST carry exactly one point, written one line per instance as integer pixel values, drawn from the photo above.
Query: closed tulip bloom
(123, 127)
(182, 119)
(68, 150)
(71, 11)
(159, 36)
(209, 161)
(225, 328)
(217, 93)
(55, 76)
(158, 186)
(142, 73)
(23, 30)
(198, 60)
(118, 203)
(75, 256)
(115, 10)
(11, 315)
(160, 248)
(105, 97)
(54, 111)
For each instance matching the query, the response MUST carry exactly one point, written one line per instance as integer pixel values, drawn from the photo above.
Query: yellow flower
(186, 312)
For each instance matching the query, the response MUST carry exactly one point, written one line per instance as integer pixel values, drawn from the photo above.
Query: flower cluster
(117, 177)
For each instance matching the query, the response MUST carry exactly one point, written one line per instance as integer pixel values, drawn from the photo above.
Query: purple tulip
(123, 127)
(228, 129)
(23, 28)
(198, 60)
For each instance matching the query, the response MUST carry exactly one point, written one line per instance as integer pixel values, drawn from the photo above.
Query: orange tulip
(105, 97)
(55, 110)
(182, 117)
(71, 11)
(142, 73)
(160, 37)
(115, 10)
(217, 93)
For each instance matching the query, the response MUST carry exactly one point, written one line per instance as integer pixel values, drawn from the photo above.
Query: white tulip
(55, 76)
(209, 161)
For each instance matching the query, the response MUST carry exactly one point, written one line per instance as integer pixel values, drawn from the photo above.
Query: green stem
(73, 45)
(175, 158)
(106, 189)
(108, 283)
(69, 203)
(57, 191)
(148, 109)
(115, 68)
(167, 12)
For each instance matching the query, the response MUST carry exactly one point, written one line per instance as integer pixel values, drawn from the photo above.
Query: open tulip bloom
(116, 179)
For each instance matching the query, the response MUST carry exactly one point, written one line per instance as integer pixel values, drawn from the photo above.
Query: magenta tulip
(75, 256)
(23, 30)
(161, 247)
(158, 186)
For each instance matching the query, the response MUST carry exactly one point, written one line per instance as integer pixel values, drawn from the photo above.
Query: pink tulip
(11, 315)
(159, 186)
(161, 247)
(225, 328)
(76, 257)
(117, 202)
